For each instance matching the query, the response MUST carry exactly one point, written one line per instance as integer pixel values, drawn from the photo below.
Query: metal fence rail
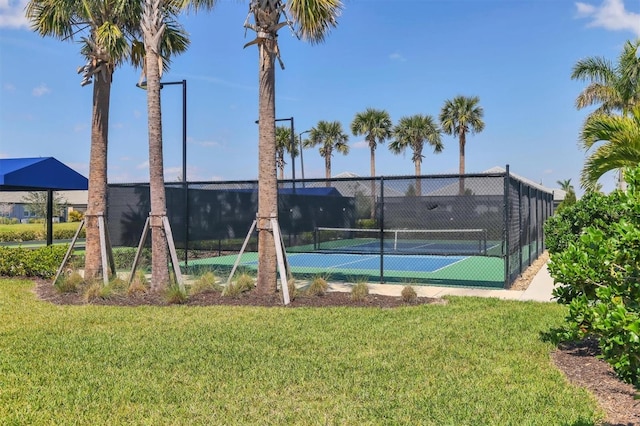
(473, 230)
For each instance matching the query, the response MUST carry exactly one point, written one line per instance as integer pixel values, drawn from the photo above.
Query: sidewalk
(539, 290)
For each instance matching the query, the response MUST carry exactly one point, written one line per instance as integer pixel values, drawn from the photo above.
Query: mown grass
(470, 362)
(37, 226)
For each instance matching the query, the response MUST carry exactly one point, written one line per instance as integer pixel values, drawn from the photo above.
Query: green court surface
(470, 271)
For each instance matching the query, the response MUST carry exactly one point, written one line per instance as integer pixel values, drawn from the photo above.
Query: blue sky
(404, 56)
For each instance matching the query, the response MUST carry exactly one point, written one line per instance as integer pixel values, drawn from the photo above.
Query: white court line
(451, 264)
(354, 261)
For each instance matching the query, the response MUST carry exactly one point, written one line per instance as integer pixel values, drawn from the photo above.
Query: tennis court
(474, 230)
(474, 271)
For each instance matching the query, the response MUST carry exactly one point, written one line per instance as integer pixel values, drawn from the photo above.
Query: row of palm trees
(146, 34)
(459, 117)
(614, 88)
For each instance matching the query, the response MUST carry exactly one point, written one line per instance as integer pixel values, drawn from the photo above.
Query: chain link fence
(472, 230)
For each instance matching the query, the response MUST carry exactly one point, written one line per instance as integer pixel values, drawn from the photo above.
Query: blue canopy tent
(40, 174)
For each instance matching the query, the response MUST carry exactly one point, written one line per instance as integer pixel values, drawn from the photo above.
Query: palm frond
(314, 19)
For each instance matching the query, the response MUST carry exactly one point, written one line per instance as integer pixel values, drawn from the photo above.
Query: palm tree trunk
(327, 169)
(418, 180)
(463, 141)
(159, 259)
(267, 182)
(373, 181)
(97, 201)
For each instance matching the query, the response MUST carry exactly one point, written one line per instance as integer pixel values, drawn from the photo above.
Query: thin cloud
(12, 14)
(9, 87)
(395, 56)
(360, 144)
(208, 144)
(218, 81)
(610, 15)
(143, 165)
(41, 90)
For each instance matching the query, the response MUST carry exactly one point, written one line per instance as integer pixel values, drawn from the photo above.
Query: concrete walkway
(539, 290)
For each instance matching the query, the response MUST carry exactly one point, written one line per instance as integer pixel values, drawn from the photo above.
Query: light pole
(185, 186)
(301, 159)
(292, 144)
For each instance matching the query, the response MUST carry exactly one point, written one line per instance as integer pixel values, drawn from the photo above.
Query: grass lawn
(37, 227)
(471, 362)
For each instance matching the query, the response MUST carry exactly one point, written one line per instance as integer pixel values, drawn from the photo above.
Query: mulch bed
(577, 361)
(579, 364)
(46, 291)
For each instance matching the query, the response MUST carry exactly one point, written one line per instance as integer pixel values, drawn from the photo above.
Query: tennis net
(401, 241)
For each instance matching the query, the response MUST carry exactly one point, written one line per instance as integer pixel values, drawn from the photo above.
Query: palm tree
(112, 31)
(330, 137)
(458, 117)
(621, 149)
(156, 23)
(283, 145)
(376, 126)
(565, 185)
(312, 19)
(613, 87)
(570, 194)
(413, 132)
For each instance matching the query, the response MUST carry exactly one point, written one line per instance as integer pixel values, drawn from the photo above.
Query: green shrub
(367, 223)
(118, 285)
(69, 282)
(244, 282)
(66, 234)
(42, 262)
(408, 294)
(139, 284)
(205, 283)
(75, 216)
(96, 290)
(592, 210)
(600, 274)
(318, 287)
(359, 292)
(175, 295)
(123, 257)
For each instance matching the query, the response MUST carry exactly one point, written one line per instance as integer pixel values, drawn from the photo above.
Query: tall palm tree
(613, 87)
(330, 137)
(109, 32)
(376, 126)
(156, 22)
(621, 147)
(283, 145)
(565, 185)
(312, 20)
(413, 132)
(458, 117)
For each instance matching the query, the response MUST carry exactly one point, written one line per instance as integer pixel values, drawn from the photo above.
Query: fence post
(381, 215)
(529, 227)
(507, 273)
(520, 226)
(186, 226)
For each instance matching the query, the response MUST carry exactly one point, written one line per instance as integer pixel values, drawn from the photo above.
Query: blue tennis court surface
(334, 261)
